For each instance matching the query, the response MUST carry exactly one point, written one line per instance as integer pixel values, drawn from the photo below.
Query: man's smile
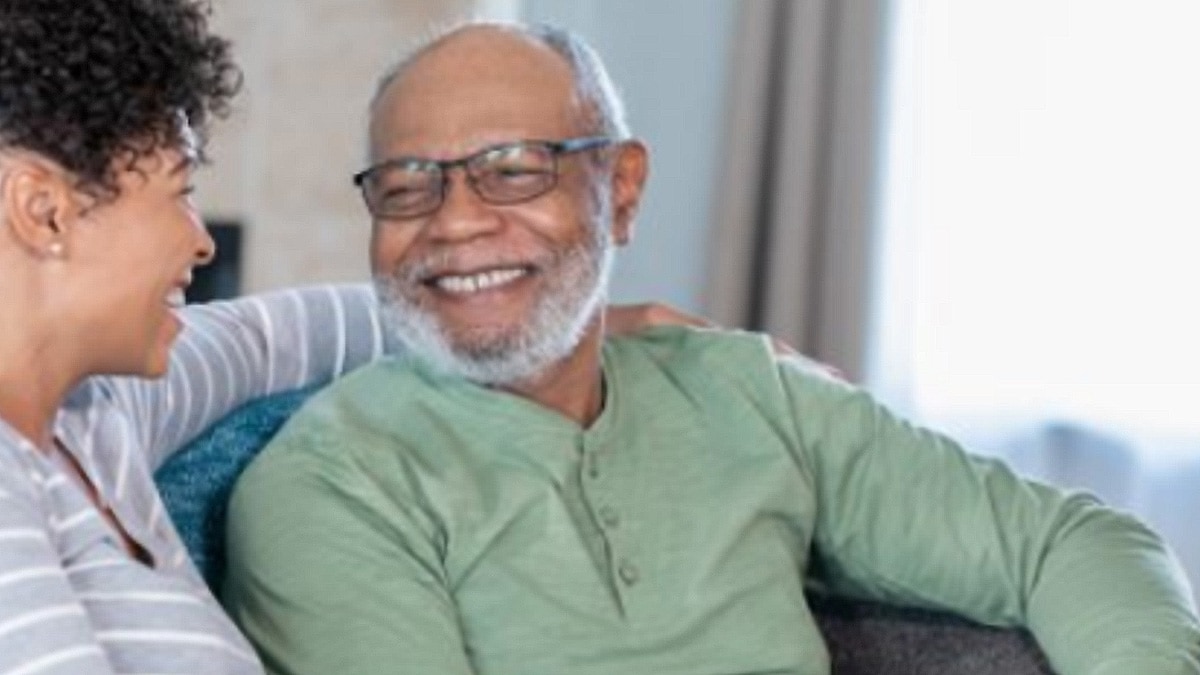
(474, 282)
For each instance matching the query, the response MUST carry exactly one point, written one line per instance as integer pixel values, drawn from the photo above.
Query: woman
(104, 105)
(103, 108)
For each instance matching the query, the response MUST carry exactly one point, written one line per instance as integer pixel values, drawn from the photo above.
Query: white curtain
(1040, 239)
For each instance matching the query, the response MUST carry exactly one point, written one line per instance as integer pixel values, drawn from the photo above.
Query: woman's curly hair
(91, 83)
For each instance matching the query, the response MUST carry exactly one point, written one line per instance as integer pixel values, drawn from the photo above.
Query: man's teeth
(176, 298)
(473, 283)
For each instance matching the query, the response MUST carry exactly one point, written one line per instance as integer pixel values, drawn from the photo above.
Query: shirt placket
(603, 492)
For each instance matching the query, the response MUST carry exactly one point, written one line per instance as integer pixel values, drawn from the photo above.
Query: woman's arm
(232, 351)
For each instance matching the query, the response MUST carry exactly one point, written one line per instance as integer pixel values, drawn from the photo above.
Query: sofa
(863, 637)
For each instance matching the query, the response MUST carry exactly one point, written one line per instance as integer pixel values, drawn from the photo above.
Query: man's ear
(630, 168)
(36, 200)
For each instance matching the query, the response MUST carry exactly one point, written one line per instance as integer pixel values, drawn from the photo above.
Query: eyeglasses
(509, 173)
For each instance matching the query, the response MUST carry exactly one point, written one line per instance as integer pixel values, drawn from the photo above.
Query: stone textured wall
(282, 162)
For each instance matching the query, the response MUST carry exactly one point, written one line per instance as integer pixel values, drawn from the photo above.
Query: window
(1040, 292)
(1043, 185)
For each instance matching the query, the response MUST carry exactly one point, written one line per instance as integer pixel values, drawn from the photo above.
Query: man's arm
(906, 515)
(329, 575)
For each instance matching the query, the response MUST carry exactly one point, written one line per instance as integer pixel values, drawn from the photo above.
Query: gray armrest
(868, 638)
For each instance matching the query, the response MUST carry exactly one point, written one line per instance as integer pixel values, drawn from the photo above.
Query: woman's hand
(629, 319)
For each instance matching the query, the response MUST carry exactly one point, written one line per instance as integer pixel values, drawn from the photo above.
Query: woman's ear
(630, 168)
(36, 200)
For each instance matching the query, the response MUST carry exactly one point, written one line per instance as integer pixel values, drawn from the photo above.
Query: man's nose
(463, 213)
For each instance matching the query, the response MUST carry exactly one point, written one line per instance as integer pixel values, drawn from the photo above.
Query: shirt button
(628, 573)
(593, 471)
(609, 517)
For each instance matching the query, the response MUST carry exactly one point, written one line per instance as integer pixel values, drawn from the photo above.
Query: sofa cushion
(870, 637)
(196, 482)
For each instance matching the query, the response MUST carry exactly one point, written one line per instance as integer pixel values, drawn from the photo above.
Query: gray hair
(595, 93)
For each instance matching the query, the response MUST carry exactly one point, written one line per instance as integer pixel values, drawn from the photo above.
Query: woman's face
(134, 257)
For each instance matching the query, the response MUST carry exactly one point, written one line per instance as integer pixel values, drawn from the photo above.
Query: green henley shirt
(405, 523)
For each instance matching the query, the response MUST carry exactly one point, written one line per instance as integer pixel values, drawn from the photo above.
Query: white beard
(575, 288)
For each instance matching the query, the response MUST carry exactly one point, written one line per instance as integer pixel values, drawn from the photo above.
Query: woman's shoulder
(22, 485)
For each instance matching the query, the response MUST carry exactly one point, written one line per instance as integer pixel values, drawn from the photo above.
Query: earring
(55, 249)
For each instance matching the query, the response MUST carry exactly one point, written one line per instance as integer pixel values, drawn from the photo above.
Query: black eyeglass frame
(555, 149)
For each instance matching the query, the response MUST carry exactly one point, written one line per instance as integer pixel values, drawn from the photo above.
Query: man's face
(492, 293)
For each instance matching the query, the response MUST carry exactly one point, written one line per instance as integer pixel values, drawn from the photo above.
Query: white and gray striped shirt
(71, 599)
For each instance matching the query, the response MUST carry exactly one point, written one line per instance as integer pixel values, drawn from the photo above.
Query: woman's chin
(158, 362)
(159, 356)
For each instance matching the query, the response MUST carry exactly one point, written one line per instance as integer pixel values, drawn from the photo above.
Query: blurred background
(984, 212)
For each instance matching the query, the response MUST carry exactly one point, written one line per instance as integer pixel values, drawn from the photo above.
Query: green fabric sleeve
(330, 574)
(906, 515)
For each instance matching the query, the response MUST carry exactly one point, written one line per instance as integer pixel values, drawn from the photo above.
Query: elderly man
(522, 496)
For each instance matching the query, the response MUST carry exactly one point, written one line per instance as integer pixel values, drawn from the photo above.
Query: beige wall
(282, 162)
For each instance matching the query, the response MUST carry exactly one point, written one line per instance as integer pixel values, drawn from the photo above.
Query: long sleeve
(43, 625)
(328, 573)
(232, 351)
(908, 516)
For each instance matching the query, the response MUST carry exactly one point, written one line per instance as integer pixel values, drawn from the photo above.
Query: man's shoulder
(338, 421)
(389, 372)
(370, 397)
(380, 414)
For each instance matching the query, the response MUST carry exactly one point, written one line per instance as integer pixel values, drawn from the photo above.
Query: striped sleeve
(232, 351)
(43, 626)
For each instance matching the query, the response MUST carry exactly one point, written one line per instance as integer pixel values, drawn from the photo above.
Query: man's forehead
(486, 46)
(441, 112)
(462, 133)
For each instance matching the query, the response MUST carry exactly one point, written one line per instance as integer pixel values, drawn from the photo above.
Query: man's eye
(404, 193)
(517, 171)
(402, 190)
